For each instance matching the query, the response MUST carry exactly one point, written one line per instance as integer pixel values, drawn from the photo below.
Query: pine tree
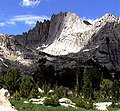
(77, 87)
(115, 92)
(106, 87)
(87, 87)
(12, 80)
(26, 86)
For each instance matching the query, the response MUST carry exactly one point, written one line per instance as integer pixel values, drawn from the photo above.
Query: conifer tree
(106, 87)
(87, 87)
(12, 79)
(26, 86)
(77, 82)
(115, 91)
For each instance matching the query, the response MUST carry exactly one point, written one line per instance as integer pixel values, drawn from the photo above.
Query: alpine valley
(65, 61)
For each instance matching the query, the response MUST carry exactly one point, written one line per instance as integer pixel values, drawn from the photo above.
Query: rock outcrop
(5, 105)
(98, 40)
(65, 102)
(104, 44)
(64, 34)
(102, 106)
(36, 37)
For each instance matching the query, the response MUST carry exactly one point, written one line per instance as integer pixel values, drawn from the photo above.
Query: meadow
(21, 106)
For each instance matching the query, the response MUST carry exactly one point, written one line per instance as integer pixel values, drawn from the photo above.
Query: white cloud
(29, 19)
(7, 23)
(29, 3)
(88, 19)
(2, 24)
(10, 23)
(92, 21)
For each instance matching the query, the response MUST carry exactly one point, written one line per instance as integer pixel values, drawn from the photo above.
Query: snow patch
(86, 50)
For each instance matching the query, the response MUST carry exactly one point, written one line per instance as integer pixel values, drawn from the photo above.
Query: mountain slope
(71, 34)
(67, 39)
(64, 34)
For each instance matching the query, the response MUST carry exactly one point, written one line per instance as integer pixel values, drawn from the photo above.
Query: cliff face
(99, 40)
(69, 34)
(104, 44)
(65, 34)
(36, 37)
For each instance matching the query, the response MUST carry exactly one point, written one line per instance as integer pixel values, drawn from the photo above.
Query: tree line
(90, 80)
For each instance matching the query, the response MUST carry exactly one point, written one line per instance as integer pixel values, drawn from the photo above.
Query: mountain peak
(64, 34)
(109, 17)
(104, 19)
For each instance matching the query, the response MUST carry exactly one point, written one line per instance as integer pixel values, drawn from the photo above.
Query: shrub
(106, 88)
(115, 105)
(60, 92)
(26, 86)
(2, 78)
(52, 101)
(16, 95)
(80, 102)
(84, 103)
(33, 93)
(89, 104)
(115, 91)
(46, 87)
(12, 80)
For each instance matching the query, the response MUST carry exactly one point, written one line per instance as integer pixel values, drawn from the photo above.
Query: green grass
(20, 106)
(113, 109)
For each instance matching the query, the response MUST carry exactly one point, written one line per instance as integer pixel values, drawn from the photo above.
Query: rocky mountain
(63, 41)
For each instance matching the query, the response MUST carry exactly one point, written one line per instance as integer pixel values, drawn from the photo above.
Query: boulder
(50, 91)
(102, 106)
(4, 92)
(3, 108)
(66, 105)
(38, 101)
(66, 102)
(70, 93)
(5, 105)
(40, 90)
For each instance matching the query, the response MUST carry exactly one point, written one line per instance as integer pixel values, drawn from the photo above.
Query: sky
(18, 16)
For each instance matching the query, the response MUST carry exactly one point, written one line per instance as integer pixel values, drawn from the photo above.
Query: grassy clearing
(113, 109)
(21, 106)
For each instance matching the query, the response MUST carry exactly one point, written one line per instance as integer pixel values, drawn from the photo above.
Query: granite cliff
(63, 40)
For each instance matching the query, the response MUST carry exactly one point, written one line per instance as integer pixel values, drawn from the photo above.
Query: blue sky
(17, 16)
